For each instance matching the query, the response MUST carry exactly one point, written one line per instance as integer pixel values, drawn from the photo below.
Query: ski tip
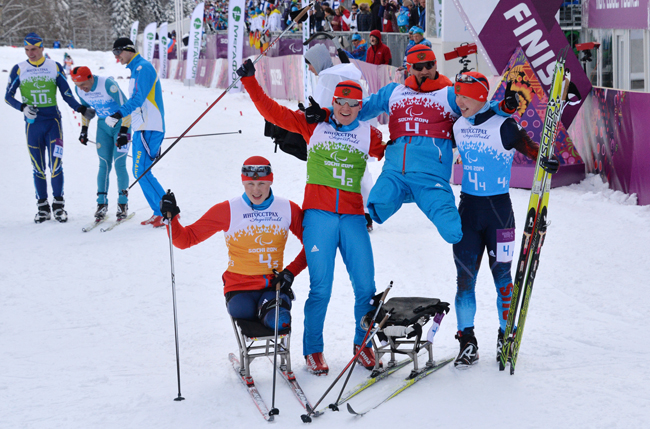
(351, 410)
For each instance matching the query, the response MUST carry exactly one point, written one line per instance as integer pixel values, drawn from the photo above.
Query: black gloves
(314, 113)
(295, 13)
(285, 278)
(511, 98)
(87, 112)
(112, 120)
(122, 137)
(83, 136)
(551, 166)
(247, 69)
(168, 205)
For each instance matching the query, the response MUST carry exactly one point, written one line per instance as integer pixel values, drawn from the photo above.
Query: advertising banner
(134, 31)
(619, 14)
(149, 41)
(194, 43)
(162, 50)
(236, 34)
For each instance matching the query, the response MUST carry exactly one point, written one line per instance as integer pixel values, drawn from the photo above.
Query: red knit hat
(419, 54)
(348, 89)
(473, 85)
(81, 74)
(256, 168)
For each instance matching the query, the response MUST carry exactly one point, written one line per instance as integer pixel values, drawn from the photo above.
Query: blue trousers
(110, 154)
(246, 305)
(45, 138)
(482, 218)
(325, 232)
(146, 148)
(432, 195)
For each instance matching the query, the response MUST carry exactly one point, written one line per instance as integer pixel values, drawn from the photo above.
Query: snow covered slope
(86, 323)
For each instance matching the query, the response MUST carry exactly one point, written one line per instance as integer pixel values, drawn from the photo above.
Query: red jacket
(379, 53)
(318, 197)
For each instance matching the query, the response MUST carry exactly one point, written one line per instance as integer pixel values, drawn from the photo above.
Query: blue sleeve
(451, 99)
(12, 86)
(144, 82)
(66, 93)
(376, 104)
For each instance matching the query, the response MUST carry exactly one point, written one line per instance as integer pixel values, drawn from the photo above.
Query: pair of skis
(536, 220)
(98, 222)
(288, 376)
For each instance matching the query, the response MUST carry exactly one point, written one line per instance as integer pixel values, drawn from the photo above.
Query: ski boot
(366, 358)
(122, 211)
(500, 343)
(159, 222)
(468, 354)
(316, 364)
(44, 212)
(100, 214)
(58, 209)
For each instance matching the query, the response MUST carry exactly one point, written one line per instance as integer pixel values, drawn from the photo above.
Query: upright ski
(536, 220)
(252, 389)
(405, 385)
(118, 222)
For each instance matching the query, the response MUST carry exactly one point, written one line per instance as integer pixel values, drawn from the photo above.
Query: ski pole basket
(256, 340)
(402, 333)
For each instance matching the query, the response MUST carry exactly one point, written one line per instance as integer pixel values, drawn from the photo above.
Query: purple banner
(620, 14)
(516, 23)
(611, 132)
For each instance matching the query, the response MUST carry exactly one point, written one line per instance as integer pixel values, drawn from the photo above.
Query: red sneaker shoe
(158, 222)
(366, 357)
(316, 364)
(148, 221)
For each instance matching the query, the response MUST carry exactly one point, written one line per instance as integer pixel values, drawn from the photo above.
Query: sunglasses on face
(465, 78)
(256, 171)
(425, 65)
(343, 101)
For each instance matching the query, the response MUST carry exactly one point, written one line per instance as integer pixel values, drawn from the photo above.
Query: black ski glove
(87, 112)
(314, 113)
(247, 69)
(122, 137)
(168, 205)
(551, 166)
(511, 98)
(83, 136)
(285, 278)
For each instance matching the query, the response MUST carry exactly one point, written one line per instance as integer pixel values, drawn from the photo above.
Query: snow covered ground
(86, 322)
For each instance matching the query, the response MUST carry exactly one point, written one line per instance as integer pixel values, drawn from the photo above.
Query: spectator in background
(364, 20)
(351, 20)
(56, 45)
(390, 16)
(378, 53)
(374, 13)
(318, 16)
(345, 15)
(273, 19)
(329, 16)
(360, 48)
(403, 16)
(423, 15)
(337, 21)
(414, 13)
(416, 37)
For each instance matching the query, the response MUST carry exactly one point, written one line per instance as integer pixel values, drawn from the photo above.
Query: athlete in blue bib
(105, 96)
(38, 79)
(487, 143)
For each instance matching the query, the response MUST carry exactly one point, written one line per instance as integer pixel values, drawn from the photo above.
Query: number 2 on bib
(342, 177)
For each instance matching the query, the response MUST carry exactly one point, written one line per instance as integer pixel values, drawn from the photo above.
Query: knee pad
(266, 313)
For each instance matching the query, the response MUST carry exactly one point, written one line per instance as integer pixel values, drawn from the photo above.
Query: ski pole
(206, 135)
(335, 405)
(171, 257)
(274, 411)
(297, 19)
(306, 418)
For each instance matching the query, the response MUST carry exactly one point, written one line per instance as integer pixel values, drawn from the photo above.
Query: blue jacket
(145, 103)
